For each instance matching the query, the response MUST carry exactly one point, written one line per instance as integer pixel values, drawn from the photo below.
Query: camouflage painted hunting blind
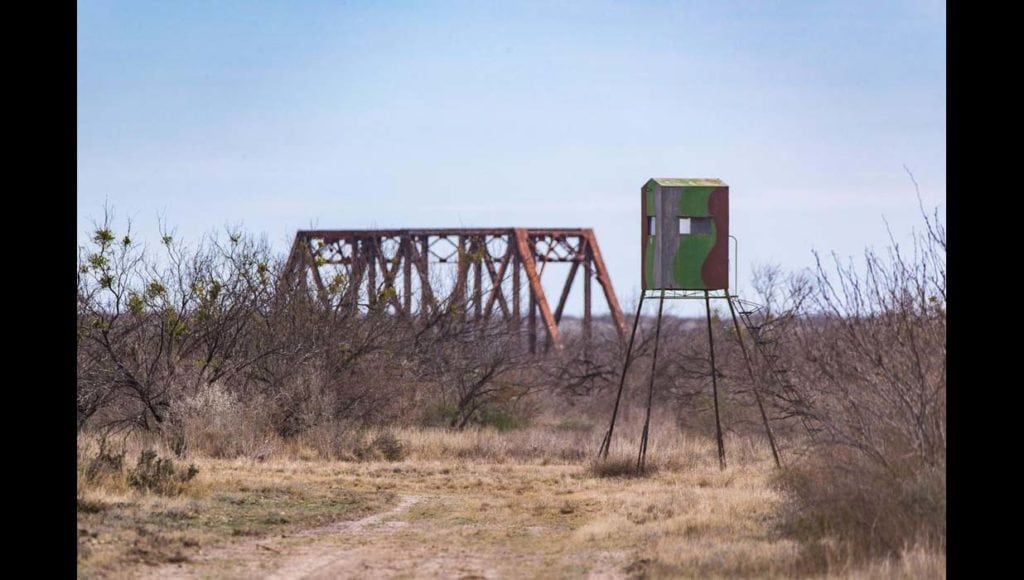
(685, 234)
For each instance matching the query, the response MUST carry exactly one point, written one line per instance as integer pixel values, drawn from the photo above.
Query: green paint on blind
(649, 198)
(693, 201)
(689, 259)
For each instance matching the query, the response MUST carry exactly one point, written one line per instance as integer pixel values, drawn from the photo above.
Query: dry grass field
(260, 429)
(474, 504)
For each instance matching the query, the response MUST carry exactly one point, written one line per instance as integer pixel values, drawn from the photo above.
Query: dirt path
(309, 553)
(437, 541)
(311, 561)
(521, 521)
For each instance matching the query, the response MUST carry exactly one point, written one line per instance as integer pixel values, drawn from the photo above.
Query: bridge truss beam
(408, 272)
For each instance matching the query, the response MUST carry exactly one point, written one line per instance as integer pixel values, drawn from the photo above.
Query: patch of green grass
(502, 420)
(498, 418)
(619, 467)
(268, 510)
(574, 425)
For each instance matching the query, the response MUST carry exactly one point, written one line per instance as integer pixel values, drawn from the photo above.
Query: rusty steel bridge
(404, 272)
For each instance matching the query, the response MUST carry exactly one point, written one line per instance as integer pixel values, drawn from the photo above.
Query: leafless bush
(216, 422)
(872, 511)
(866, 351)
(385, 445)
(105, 464)
(149, 327)
(160, 475)
(475, 367)
(212, 347)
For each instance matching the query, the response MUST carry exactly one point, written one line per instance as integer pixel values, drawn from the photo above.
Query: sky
(278, 116)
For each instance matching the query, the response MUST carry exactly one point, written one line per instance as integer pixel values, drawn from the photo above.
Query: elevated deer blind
(478, 273)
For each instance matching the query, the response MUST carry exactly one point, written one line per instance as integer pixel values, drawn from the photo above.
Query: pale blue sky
(285, 115)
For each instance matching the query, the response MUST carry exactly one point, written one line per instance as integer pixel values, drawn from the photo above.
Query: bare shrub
(150, 327)
(159, 474)
(105, 465)
(865, 349)
(872, 510)
(477, 369)
(215, 422)
(383, 446)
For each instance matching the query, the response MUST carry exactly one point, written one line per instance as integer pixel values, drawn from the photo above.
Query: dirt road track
(311, 562)
(311, 553)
